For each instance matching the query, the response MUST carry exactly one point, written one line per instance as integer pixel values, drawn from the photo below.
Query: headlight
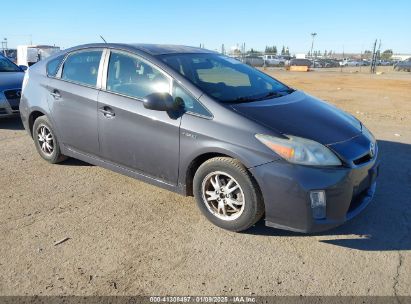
(299, 150)
(368, 134)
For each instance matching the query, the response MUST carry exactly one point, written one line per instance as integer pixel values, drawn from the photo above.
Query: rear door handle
(107, 112)
(56, 94)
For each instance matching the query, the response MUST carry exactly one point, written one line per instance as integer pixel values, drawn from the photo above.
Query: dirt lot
(127, 237)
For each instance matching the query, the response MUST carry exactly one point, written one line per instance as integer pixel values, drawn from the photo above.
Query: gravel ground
(130, 238)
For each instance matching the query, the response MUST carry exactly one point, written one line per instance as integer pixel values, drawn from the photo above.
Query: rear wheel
(46, 142)
(227, 194)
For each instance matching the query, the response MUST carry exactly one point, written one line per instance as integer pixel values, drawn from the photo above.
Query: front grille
(13, 97)
(362, 159)
(358, 199)
(12, 94)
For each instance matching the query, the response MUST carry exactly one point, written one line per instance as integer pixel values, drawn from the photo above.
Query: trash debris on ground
(61, 241)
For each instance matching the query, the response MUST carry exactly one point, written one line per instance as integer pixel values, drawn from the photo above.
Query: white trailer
(30, 54)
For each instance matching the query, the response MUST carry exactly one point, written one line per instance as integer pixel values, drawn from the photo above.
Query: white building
(401, 57)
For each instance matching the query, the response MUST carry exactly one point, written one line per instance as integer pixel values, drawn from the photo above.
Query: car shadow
(386, 223)
(11, 123)
(75, 162)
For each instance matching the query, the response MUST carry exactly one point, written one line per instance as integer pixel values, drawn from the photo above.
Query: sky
(346, 25)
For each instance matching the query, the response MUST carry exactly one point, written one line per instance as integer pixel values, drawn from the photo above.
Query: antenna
(103, 39)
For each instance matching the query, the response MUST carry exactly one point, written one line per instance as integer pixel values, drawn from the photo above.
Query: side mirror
(160, 102)
(23, 67)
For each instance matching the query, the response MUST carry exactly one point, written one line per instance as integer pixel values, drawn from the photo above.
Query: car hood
(11, 80)
(302, 115)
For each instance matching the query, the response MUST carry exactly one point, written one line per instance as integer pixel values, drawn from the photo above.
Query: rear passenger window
(82, 67)
(53, 65)
(133, 77)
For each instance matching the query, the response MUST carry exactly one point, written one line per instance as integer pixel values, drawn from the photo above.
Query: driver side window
(128, 75)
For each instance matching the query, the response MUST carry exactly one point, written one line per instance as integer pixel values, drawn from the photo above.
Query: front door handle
(107, 112)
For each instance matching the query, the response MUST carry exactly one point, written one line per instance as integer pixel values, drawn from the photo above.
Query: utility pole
(312, 43)
(374, 57)
(243, 50)
(4, 46)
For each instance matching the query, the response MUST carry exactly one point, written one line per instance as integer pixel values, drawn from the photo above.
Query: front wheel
(227, 194)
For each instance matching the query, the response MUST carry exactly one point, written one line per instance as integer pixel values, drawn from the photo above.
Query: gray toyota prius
(200, 123)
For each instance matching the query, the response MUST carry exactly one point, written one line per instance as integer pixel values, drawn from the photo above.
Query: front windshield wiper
(241, 99)
(271, 94)
(254, 98)
(276, 94)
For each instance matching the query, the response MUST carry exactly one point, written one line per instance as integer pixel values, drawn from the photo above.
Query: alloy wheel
(45, 139)
(223, 196)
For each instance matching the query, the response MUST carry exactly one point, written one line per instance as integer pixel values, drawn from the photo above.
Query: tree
(271, 50)
(287, 51)
(387, 54)
(283, 50)
(325, 53)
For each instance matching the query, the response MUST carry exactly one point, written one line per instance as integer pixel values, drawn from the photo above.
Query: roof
(160, 49)
(153, 49)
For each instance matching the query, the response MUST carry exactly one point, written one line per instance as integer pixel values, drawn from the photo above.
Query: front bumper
(286, 192)
(6, 108)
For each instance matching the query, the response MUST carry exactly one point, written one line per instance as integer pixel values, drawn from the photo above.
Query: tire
(42, 129)
(242, 216)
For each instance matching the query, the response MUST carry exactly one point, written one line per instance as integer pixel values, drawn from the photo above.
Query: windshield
(8, 66)
(224, 78)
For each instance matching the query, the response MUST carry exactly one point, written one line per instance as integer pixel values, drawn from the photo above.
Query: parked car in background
(253, 60)
(324, 63)
(273, 60)
(384, 62)
(285, 57)
(403, 66)
(353, 63)
(318, 64)
(200, 123)
(330, 63)
(11, 79)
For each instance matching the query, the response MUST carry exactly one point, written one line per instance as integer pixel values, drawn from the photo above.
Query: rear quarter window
(53, 66)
